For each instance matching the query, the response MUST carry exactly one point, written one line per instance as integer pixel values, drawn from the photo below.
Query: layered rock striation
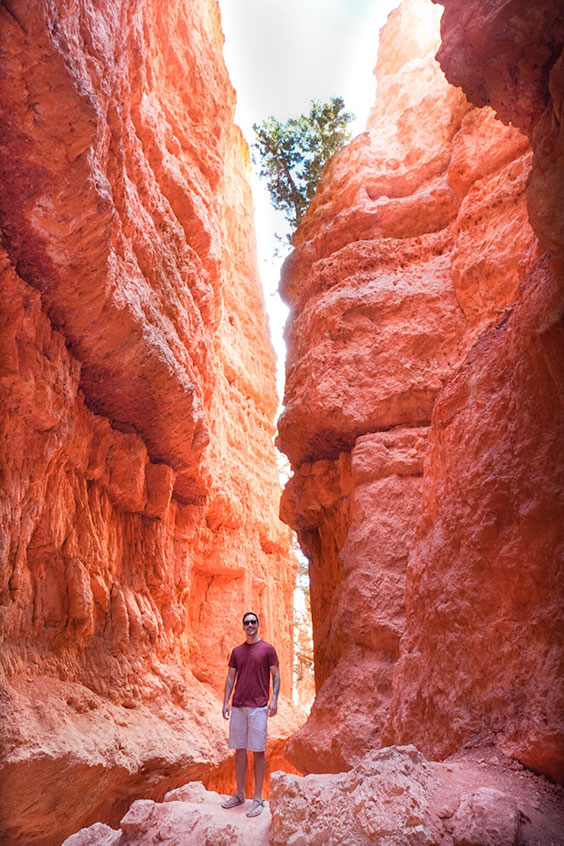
(423, 415)
(139, 485)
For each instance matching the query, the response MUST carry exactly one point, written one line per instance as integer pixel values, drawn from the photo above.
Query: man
(252, 664)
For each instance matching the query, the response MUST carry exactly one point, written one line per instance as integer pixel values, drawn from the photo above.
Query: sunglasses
(250, 622)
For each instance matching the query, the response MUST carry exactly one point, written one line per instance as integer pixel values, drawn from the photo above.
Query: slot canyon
(141, 512)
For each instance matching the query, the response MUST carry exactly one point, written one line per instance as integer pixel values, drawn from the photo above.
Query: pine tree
(293, 154)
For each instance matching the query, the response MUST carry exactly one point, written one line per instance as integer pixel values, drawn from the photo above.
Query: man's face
(250, 624)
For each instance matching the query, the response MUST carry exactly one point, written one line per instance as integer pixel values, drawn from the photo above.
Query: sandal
(256, 808)
(233, 802)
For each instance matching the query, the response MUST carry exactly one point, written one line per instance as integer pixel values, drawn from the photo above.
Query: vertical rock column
(482, 653)
(416, 239)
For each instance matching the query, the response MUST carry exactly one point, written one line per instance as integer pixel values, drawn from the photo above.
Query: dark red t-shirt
(252, 662)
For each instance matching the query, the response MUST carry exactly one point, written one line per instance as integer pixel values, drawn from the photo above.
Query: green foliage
(293, 154)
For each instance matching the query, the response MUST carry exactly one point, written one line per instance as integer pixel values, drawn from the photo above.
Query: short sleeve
(272, 657)
(232, 660)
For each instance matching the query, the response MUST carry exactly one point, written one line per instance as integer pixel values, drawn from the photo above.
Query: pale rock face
(487, 817)
(393, 797)
(98, 834)
(415, 243)
(138, 512)
(383, 799)
(190, 815)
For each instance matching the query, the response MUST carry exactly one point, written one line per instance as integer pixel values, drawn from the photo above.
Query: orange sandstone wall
(413, 254)
(482, 655)
(138, 510)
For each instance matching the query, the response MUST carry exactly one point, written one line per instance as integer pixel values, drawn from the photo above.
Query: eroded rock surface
(482, 645)
(189, 815)
(415, 244)
(347, 508)
(139, 491)
(510, 56)
(393, 797)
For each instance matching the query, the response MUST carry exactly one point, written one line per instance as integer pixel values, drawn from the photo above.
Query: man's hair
(246, 614)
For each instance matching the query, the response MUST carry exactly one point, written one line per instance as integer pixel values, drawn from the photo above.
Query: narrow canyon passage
(423, 418)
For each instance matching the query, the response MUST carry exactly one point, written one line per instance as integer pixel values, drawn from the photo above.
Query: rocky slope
(138, 510)
(392, 796)
(423, 402)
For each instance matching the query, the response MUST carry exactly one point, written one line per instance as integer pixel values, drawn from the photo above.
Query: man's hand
(273, 705)
(229, 682)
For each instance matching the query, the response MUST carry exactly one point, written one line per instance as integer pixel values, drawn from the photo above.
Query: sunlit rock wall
(482, 656)
(413, 251)
(139, 486)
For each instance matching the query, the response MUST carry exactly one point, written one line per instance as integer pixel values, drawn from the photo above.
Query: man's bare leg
(259, 764)
(241, 771)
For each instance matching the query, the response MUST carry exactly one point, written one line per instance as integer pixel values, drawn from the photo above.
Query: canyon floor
(392, 797)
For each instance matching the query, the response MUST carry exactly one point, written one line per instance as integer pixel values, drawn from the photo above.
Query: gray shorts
(247, 728)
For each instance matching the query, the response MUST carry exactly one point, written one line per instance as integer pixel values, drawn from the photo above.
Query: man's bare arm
(229, 682)
(273, 705)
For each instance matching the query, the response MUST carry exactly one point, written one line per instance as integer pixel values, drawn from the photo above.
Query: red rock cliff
(423, 313)
(139, 483)
(482, 652)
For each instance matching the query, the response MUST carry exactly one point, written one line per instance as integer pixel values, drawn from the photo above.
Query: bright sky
(281, 54)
